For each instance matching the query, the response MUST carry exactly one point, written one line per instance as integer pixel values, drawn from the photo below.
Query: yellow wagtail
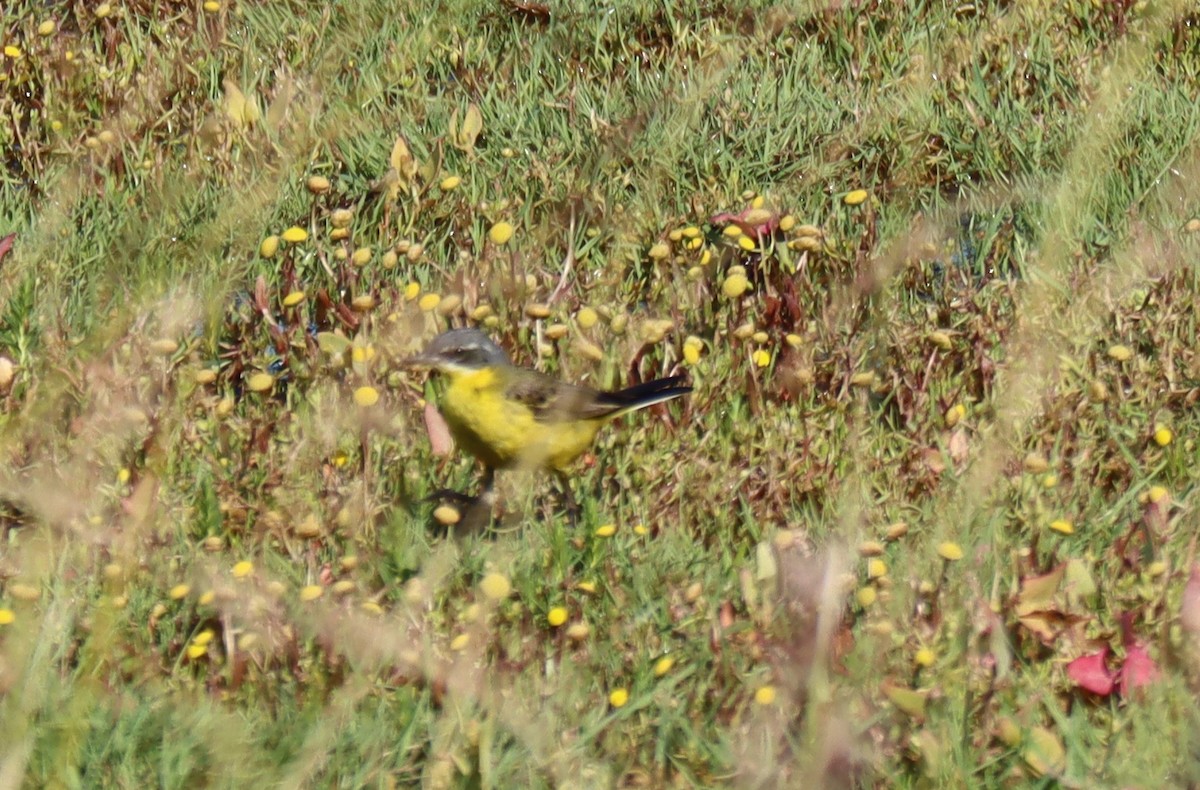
(510, 417)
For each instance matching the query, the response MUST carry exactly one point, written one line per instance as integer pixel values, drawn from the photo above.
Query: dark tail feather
(647, 394)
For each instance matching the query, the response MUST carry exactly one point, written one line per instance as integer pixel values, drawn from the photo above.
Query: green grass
(941, 355)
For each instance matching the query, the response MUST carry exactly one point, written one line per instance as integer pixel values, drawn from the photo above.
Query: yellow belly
(503, 433)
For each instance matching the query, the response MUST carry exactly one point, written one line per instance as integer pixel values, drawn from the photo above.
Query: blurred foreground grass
(930, 268)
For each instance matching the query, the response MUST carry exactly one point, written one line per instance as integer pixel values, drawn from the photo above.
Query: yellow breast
(502, 432)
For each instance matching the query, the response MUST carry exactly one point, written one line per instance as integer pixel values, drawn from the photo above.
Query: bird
(511, 417)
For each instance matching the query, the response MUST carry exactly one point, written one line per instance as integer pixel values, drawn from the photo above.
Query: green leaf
(332, 343)
(906, 700)
(1044, 752)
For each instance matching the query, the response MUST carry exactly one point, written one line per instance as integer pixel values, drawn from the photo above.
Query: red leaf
(6, 244)
(1139, 669)
(1091, 673)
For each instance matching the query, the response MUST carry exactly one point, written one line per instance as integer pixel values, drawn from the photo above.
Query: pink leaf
(1092, 674)
(439, 432)
(1189, 607)
(6, 244)
(1139, 669)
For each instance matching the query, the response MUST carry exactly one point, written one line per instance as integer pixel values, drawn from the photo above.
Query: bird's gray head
(460, 350)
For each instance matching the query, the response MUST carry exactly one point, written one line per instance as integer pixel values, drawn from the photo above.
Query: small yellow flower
(195, 652)
(178, 592)
(204, 637)
(429, 302)
(870, 548)
(761, 357)
(243, 569)
(207, 597)
(295, 235)
(866, 596)
(692, 347)
(24, 592)
(366, 396)
(311, 593)
(640, 529)
(165, 347)
(7, 617)
(746, 243)
(587, 318)
(361, 256)
(618, 697)
(924, 657)
(47, 28)
(787, 222)
(500, 233)
(855, 197)
(659, 251)
(123, 475)
(765, 695)
(1157, 494)
(663, 666)
(460, 642)
(732, 231)
(1062, 526)
(876, 568)
(450, 183)
(1162, 435)
(951, 552)
(269, 246)
(446, 515)
(735, 285)
(12, 52)
(294, 298)
(1050, 481)
(412, 291)
(586, 587)
(495, 586)
(690, 232)
(260, 382)
(1119, 353)
(556, 616)
(606, 531)
(955, 414)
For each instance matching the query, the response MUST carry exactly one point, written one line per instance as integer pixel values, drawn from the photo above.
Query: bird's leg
(478, 513)
(569, 502)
